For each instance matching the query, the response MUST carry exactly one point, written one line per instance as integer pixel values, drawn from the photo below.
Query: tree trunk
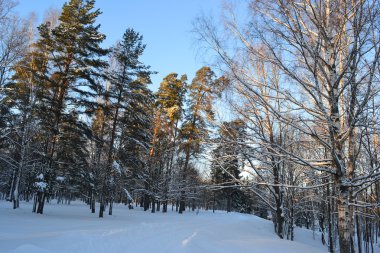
(228, 202)
(34, 203)
(15, 196)
(93, 205)
(40, 202)
(213, 204)
(111, 206)
(329, 220)
(11, 189)
(101, 207)
(146, 202)
(344, 221)
(291, 225)
(92, 202)
(279, 221)
(153, 206)
(182, 203)
(16, 190)
(358, 234)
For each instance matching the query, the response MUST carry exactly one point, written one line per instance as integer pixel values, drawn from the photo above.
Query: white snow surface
(72, 228)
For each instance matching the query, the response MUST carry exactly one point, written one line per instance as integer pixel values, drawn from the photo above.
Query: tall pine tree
(202, 92)
(128, 109)
(74, 61)
(168, 113)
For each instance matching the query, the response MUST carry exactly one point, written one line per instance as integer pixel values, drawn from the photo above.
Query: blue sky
(165, 24)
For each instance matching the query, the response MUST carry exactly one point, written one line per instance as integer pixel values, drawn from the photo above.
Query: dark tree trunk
(153, 206)
(322, 226)
(279, 221)
(40, 202)
(146, 202)
(111, 206)
(228, 202)
(16, 203)
(91, 202)
(213, 204)
(35, 203)
(182, 203)
(101, 207)
(93, 205)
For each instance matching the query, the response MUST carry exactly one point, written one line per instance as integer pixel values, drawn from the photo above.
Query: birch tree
(14, 39)
(328, 53)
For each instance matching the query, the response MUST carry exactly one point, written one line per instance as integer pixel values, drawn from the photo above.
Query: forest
(298, 82)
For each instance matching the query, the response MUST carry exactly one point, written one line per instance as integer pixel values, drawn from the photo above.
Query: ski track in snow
(72, 228)
(187, 240)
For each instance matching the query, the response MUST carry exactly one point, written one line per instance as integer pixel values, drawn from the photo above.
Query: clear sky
(165, 25)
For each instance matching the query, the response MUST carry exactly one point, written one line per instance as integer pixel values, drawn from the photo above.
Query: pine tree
(136, 136)
(98, 150)
(20, 100)
(129, 101)
(170, 97)
(227, 162)
(202, 91)
(169, 111)
(74, 61)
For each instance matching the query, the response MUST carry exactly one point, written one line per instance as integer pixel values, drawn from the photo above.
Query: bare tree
(328, 54)
(14, 39)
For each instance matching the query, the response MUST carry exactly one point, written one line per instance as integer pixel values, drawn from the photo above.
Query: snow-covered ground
(73, 228)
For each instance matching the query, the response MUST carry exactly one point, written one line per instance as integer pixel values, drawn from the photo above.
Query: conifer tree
(136, 135)
(227, 162)
(16, 121)
(74, 60)
(169, 111)
(98, 151)
(202, 91)
(20, 100)
(129, 101)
